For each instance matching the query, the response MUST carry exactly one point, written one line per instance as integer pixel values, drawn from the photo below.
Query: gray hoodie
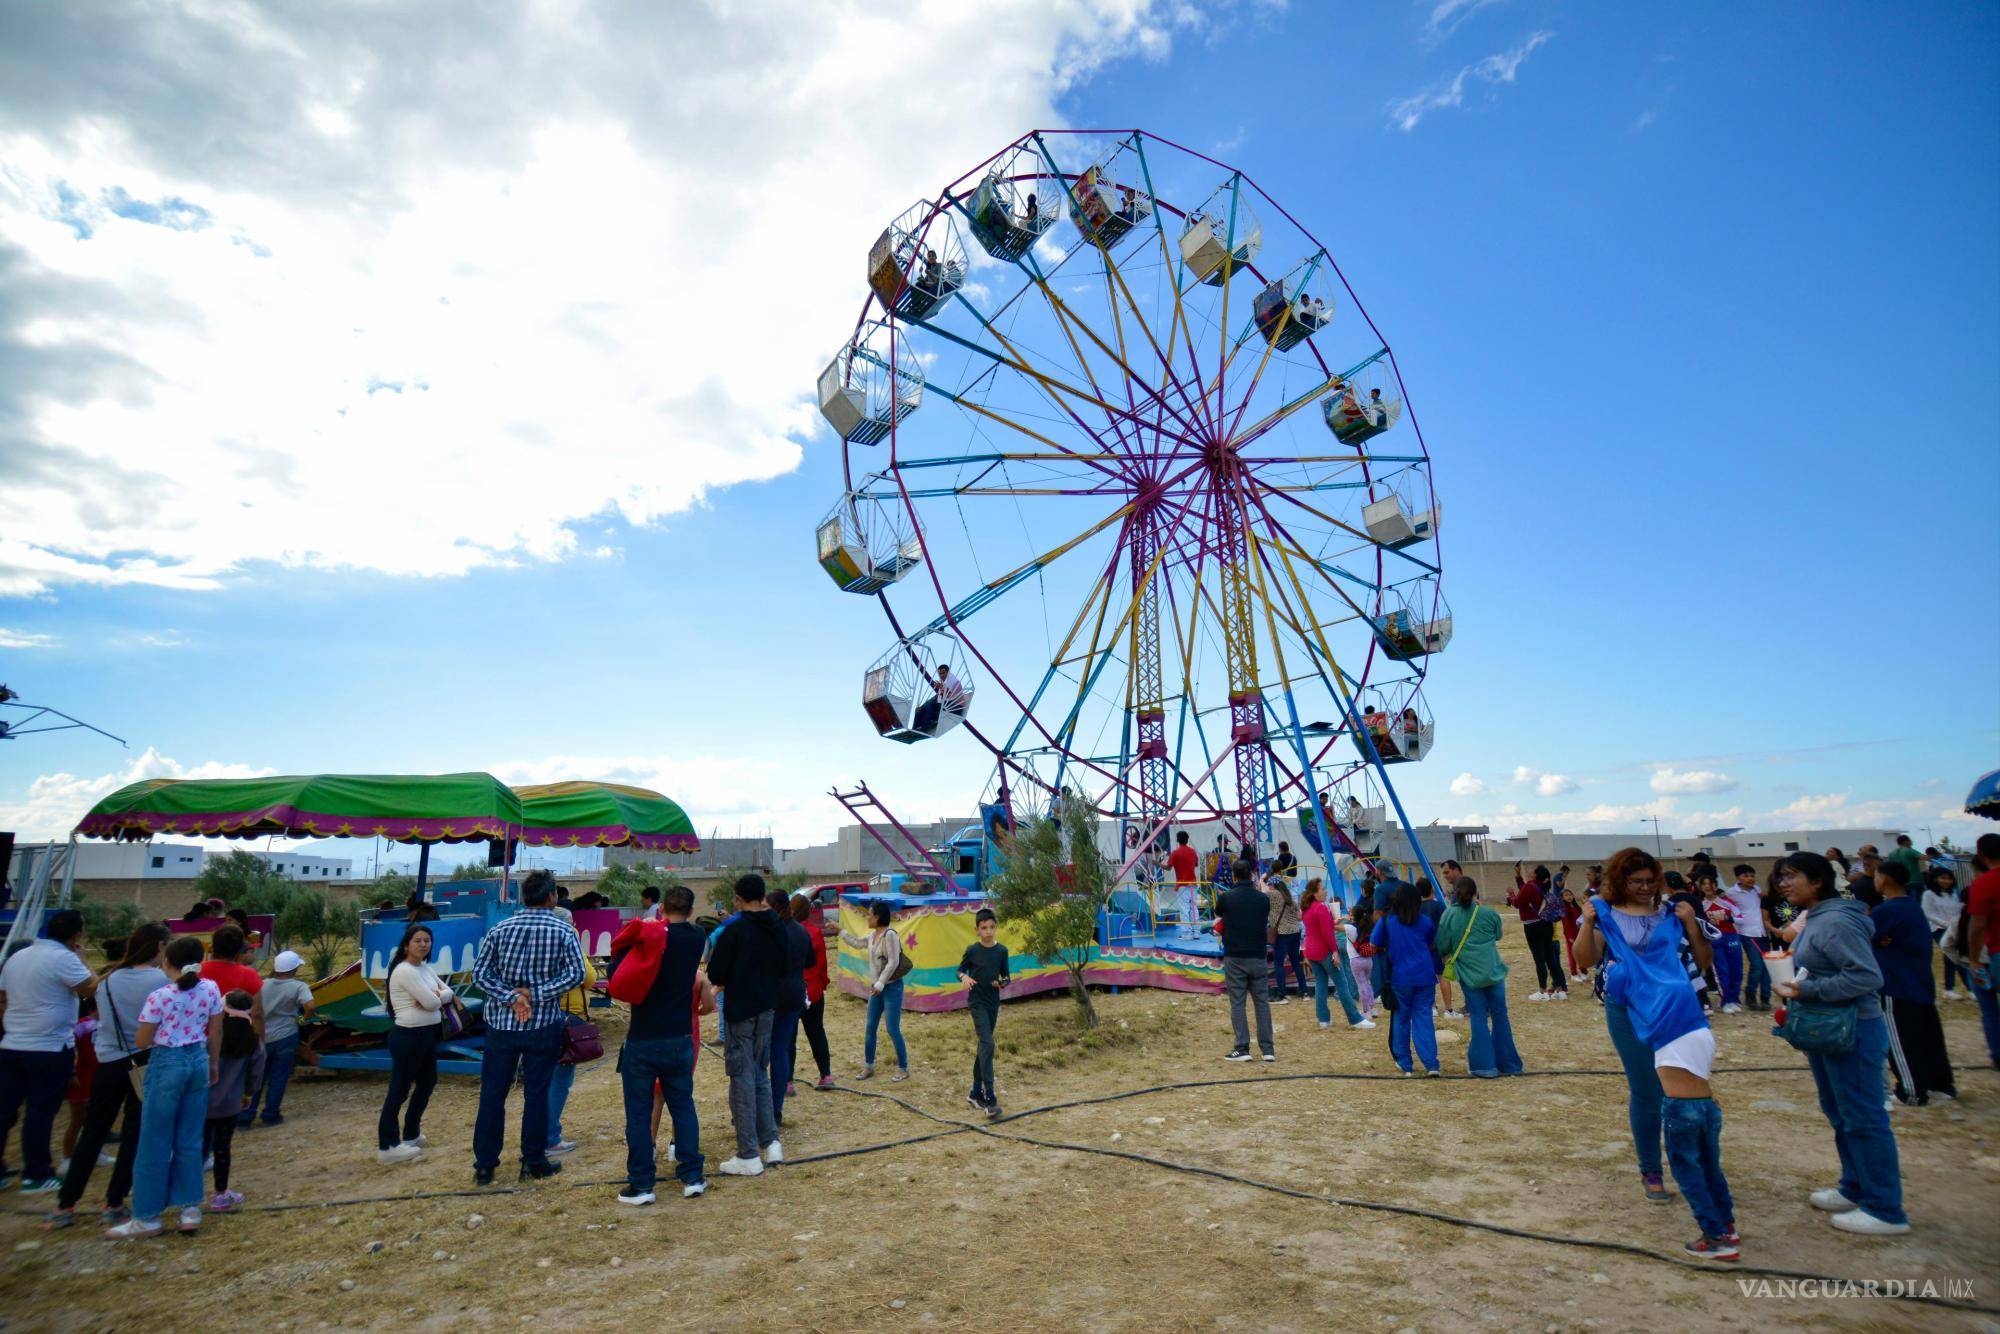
(1836, 953)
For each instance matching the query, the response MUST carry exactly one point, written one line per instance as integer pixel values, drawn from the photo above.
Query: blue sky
(1694, 307)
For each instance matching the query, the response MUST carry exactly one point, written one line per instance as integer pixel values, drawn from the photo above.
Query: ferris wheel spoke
(1069, 322)
(987, 594)
(1164, 355)
(1067, 317)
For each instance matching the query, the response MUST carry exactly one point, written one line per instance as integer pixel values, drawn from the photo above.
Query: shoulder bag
(1819, 1029)
(137, 1073)
(1451, 964)
(904, 963)
(581, 1042)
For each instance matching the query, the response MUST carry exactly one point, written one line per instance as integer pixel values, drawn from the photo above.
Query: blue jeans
(1326, 974)
(533, 1053)
(1989, 1016)
(1288, 950)
(1756, 977)
(1694, 1147)
(1729, 971)
(888, 1001)
(1851, 1094)
(671, 1062)
(168, 1170)
(33, 1083)
(1413, 1019)
(784, 1055)
(279, 1058)
(1490, 1051)
(1642, 1087)
(560, 1083)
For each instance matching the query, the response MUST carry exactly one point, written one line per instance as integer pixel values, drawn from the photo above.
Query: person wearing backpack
(1468, 936)
(888, 965)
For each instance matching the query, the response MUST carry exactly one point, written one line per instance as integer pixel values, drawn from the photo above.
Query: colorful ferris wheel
(1133, 477)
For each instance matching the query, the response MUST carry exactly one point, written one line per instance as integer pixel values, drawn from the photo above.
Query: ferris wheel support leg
(1305, 767)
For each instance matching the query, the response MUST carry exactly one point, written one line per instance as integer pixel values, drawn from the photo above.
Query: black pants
(218, 1134)
(1549, 974)
(984, 1016)
(32, 1085)
(1917, 1038)
(110, 1097)
(814, 1022)
(413, 1073)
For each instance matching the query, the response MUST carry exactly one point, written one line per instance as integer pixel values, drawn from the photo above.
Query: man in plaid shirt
(525, 965)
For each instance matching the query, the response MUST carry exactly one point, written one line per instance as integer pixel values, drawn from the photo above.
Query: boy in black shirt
(984, 971)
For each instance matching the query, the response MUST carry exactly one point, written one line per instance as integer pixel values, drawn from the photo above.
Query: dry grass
(978, 1228)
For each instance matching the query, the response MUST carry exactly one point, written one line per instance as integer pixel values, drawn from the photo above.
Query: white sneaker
(1867, 1224)
(561, 1147)
(742, 1167)
(422, 1141)
(774, 1152)
(694, 1189)
(1830, 1200)
(1365, 1023)
(191, 1218)
(1539, 996)
(401, 1153)
(1324, 1023)
(635, 1197)
(1732, 1008)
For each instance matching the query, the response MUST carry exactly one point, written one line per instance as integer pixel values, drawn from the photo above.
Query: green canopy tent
(604, 815)
(403, 808)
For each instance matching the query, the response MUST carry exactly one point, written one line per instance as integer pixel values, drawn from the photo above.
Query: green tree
(394, 884)
(474, 871)
(107, 921)
(326, 929)
(621, 882)
(244, 880)
(722, 892)
(1054, 883)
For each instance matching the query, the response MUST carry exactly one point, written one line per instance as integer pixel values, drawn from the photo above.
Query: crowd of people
(177, 1045)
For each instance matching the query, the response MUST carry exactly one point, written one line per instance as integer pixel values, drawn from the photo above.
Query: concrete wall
(854, 853)
(1547, 845)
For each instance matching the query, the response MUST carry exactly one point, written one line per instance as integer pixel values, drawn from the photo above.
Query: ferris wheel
(1133, 478)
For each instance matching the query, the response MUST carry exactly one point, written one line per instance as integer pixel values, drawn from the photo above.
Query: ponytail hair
(184, 955)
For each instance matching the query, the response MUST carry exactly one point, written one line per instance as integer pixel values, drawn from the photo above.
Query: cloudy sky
(405, 387)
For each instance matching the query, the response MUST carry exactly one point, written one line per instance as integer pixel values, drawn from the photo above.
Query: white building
(1546, 845)
(308, 863)
(122, 861)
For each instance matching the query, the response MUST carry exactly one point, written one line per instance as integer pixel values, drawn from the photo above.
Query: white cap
(286, 962)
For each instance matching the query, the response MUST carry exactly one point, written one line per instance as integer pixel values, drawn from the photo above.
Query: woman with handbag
(1469, 937)
(1651, 1007)
(120, 1079)
(581, 1045)
(1833, 1014)
(416, 999)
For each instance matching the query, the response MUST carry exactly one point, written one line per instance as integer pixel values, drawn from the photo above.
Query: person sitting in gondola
(1377, 411)
(1029, 217)
(1128, 202)
(933, 275)
(1413, 726)
(950, 697)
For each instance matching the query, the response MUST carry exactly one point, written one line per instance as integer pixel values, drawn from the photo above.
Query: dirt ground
(976, 1227)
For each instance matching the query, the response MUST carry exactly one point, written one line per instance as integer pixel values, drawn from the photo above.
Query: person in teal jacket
(1468, 939)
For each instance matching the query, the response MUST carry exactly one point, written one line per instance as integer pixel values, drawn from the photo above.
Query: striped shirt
(533, 951)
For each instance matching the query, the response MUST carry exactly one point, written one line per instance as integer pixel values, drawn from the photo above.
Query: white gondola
(1015, 204)
(860, 396)
(1416, 621)
(1221, 236)
(1104, 208)
(917, 261)
(1293, 308)
(865, 545)
(919, 689)
(1400, 729)
(1405, 516)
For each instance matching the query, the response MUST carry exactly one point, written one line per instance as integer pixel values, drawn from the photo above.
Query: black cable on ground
(1407, 1210)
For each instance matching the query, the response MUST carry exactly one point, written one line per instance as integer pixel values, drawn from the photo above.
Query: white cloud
(26, 639)
(55, 802)
(1465, 785)
(1447, 15)
(1668, 779)
(1498, 68)
(1545, 784)
(1814, 806)
(412, 292)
